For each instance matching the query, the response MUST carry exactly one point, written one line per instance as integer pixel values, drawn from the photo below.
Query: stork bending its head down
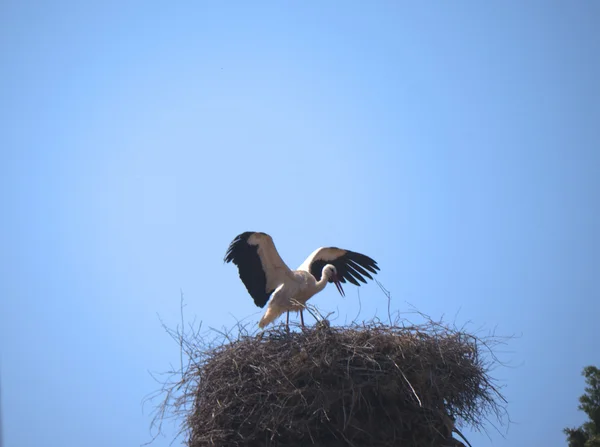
(268, 279)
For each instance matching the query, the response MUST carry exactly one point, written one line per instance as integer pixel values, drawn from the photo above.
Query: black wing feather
(350, 267)
(359, 269)
(245, 256)
(354, 272)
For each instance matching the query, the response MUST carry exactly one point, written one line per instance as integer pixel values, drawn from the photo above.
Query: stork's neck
(323, 281)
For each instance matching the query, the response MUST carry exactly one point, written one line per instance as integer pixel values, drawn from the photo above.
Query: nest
(359, 385)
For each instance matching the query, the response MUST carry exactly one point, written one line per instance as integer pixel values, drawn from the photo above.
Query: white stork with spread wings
(265, 275)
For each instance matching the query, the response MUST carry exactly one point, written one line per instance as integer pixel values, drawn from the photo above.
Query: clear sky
(457, 143)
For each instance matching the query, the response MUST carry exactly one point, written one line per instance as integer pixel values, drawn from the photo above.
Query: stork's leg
(287, 321)
(301, 318)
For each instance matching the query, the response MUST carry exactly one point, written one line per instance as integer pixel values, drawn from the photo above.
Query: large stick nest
(360, 385)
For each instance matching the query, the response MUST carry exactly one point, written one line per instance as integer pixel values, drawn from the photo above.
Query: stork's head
(330, 273)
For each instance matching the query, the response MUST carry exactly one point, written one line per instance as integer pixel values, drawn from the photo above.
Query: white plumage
(268, 279)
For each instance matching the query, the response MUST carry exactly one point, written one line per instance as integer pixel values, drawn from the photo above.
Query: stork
(268, 279)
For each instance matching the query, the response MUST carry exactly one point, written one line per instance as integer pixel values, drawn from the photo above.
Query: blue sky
(454, 142)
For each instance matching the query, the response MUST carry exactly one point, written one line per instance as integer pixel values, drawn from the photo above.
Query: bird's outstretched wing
(350, 266)
(260, 267)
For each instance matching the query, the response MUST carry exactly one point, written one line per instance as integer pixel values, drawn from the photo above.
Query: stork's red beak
(338, 284)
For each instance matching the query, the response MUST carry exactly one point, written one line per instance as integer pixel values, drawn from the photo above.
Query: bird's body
(268, 279)
(292, 295)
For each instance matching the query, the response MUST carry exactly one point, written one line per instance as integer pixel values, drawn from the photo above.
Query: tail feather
(270, 315)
